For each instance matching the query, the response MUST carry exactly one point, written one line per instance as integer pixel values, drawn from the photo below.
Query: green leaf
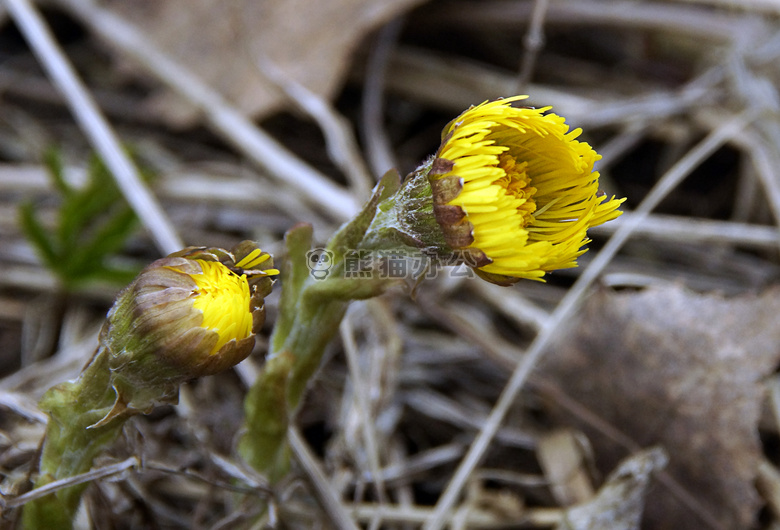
(115, 275)
(37, 235)
(53, 162)
(83, 207)
(88, 257)
(93, 223)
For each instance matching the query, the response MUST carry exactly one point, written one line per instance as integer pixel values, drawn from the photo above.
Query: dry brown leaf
(310, 41)
(681, 370)
(620, 501)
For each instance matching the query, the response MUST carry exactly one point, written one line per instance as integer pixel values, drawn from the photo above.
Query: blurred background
(244, 118)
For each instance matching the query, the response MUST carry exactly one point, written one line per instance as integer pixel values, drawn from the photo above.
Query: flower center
(223, 297)
(518, 186)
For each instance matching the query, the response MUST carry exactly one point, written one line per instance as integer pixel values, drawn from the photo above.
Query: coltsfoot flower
(190, 314)
(516, 190)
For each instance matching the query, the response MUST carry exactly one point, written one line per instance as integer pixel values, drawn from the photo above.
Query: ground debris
(683, 371)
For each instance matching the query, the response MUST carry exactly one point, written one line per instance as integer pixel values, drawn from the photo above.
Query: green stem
(310, 311)
(298, 347)
(73, 441)
(278, 391)
(308, 338)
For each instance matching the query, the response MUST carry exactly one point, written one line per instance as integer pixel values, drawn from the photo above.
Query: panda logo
(319, 261)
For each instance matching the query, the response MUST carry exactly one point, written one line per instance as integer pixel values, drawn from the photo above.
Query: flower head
(515, 191)
(192, 313)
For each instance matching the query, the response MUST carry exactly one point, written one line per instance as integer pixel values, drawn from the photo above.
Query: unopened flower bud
(191, 314)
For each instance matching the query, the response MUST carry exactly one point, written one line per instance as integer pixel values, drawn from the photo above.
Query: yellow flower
(190, 314)
(223, 296)
(515, 191)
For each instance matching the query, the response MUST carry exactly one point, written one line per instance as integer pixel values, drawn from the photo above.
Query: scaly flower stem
(73, 440)
(298, 347)
(309, 315)
(310, 335)
(275, 396)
